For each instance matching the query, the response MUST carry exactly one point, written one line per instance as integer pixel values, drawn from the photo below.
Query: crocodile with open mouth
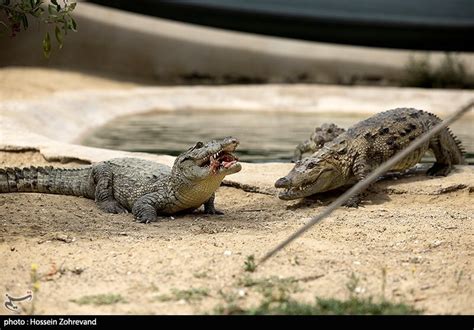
(355, 153)
(145, 188)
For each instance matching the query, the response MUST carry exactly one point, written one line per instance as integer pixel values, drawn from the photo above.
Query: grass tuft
(100, 299)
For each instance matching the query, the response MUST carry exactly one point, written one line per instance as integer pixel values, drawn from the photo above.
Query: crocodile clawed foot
(439, 170)
(144, 219)
(111, 206)
(354, 202)
(213, 211)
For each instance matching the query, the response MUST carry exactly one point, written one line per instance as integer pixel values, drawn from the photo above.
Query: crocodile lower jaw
(298, 192)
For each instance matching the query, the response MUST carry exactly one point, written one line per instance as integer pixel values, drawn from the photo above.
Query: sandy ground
(421, 241)
(32, 83)
(425, 250)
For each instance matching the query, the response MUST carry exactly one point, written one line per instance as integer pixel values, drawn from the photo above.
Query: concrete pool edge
(41, 124)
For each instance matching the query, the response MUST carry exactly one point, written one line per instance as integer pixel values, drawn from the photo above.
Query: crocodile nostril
(282, 183)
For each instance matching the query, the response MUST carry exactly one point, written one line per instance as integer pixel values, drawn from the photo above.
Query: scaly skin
(321, 135)
(352, 155)
(145, 188)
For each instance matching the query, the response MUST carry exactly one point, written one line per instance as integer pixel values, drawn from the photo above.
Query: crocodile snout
(229, 144)
(282, 183)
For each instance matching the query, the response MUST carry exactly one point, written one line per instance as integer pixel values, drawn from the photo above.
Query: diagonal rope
(361, 185)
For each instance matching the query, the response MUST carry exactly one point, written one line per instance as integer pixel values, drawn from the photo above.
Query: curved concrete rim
(54, 125)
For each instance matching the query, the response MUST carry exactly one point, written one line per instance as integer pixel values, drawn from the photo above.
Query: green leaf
(47, 45)
(59, 37)
(72, 6)
(73, 25)
(52, 9)
(24, 21)
(37, 12)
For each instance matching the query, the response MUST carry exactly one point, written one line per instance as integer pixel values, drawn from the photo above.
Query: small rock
(227, 253)
(241, 292)
(415, 260)
(77, 270)
(64, 238)
(359, 290)
(435, 244)
(356, 262)
(417, 299)
(294, 261)
(451, 227)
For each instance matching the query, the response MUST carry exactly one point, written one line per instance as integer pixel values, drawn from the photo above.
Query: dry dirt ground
(425, 251)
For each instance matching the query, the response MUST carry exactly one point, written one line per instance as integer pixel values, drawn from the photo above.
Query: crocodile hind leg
(442, 147)
(209, 207)
(104, 195)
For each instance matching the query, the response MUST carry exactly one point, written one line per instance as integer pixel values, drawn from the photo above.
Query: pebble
(415, 260)
(359, 290)
(436, 244)
(227, 253)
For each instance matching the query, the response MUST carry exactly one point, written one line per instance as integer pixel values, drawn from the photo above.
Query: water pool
(264, 136)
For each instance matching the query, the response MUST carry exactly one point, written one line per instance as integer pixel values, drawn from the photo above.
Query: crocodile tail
(456, 149)
(76, 182)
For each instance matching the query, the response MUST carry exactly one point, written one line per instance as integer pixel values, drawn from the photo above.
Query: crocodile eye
(199, 145)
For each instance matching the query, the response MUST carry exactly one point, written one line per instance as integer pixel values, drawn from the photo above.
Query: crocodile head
(212, 159)
(315, 174)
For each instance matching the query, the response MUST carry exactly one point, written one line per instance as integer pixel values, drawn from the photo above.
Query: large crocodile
(145, 188)
(352, 155)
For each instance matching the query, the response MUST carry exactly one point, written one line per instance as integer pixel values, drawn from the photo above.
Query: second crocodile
(352, 155)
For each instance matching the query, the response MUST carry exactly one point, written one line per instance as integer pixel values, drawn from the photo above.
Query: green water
(264, 137)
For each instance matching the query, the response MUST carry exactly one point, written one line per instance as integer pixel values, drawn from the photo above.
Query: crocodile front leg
(361, 170)
(104, 195)
(145, 208)
(209, 207)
